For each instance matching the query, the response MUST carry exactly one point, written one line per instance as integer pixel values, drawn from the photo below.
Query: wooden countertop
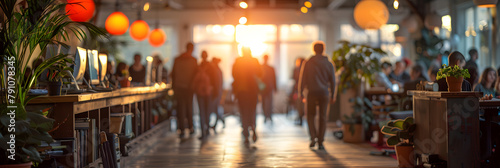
(96, 96)
(490, 103)
(431, 94)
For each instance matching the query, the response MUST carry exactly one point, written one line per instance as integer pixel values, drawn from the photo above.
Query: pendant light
(371, 14)
(80, 10)
(139, 30)
(117, 23)
(485, 3)
(157, 37)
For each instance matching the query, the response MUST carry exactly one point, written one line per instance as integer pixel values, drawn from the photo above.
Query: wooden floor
(281, 144)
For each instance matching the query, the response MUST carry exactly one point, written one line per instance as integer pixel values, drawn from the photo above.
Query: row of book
(86, 142)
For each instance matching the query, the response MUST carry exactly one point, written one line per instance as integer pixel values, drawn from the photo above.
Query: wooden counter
(448, 125)
(98, 106)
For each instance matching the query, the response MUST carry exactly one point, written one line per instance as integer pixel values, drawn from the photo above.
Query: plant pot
(406, 156)
(454, 84)
(54, 88)
(21, 165)
(357, 137)
(125, 83)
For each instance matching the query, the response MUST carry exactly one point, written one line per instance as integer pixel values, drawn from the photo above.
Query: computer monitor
(93, 64)
(149, 67)
(103, 65)
(80, 64)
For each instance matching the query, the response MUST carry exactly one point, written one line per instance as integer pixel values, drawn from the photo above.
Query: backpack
(202, 84)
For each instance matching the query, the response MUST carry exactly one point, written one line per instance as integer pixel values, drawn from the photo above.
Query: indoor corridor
(280, 144)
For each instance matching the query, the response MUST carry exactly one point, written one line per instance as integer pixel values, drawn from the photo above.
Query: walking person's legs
(203, 104)
(181, 112)
(252, 106)
(267, 106)
(311, 114)
(244, 116)
(189, 110)
(323, 103)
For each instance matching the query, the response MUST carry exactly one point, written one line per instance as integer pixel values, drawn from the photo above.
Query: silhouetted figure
(382, 77)
(269, 78)
(399, 74)
(247, 73)
(218, 82)
(487, 82)
(455, 58)
(294, 96)
(183, 72)
(137, 70)
(474, 75)
(473, 57)
(110, 74)
(417, 76)
(203, 87)
(318, 77)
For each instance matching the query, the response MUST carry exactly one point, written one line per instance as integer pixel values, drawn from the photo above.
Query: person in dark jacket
(247, 73)
(455, 58)
(318, 77)
(203, 85)
(294, 96)
(218, 82)
(399, 74)
(137, 71)
(473, 57)
(183, 72)
(269, 79)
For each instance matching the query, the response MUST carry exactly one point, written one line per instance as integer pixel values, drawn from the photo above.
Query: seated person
(433, 74)
(473, 75)
(455, 58)
(416, 76)
(487, 82)
(399, 74)
(381, 78)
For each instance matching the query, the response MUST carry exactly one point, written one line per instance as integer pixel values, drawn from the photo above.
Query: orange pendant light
(80, 10)
(157, 37)
(371, 14)
(117, 23)
(139, 30)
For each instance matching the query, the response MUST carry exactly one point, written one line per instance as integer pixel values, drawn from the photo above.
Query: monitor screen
(80, 64)
(103, 63)
(93, 63)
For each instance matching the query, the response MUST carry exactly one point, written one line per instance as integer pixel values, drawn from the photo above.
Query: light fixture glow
(243, 20)
(228, 30)
(80, 10)
(243, 5)
(146, 6)
(307, 4)
(139, 30)
(485, 3)
(117, 23)
(157, 37)
(303, 9)
(371, 14)
(396, 4)
(216, 29)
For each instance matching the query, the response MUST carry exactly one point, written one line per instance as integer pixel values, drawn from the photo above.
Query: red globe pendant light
(139, 30)
(157, 37)
(117, 23)
(80, 10)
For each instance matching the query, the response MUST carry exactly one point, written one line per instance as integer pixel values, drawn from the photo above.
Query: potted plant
(56, 74)
(356, 65)
(358, 121)
(26, 30)
(401, 132)
(454, 77)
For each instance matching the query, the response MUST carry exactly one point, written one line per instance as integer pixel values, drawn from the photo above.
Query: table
(137, 100)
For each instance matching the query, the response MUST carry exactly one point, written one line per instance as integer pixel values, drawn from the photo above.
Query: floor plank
(280, 144)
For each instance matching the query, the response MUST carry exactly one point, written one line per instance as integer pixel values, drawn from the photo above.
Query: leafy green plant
(356, 62)
(29, 27)
(401, 132)
(57, 70)
(455, 71)
(362, 113)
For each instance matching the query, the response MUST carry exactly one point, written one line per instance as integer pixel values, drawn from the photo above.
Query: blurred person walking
(247, 74)
(269, 78)
(183, 72)
(218, 82)
(318, 77)
(204, 88)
